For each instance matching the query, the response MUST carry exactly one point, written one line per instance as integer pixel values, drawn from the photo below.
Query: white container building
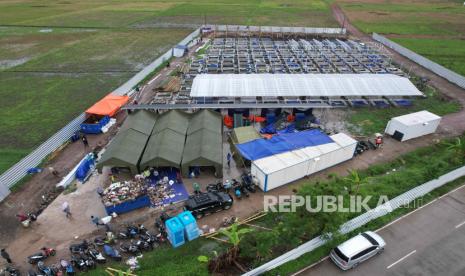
(280, 169)
(412, 125)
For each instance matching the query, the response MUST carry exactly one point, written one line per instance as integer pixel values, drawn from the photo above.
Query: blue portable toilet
(191, 230)
(175, 230)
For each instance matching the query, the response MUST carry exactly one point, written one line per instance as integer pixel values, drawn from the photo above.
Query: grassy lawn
(168, 261)
(432, 28)
(99, 45)
(47, 78)
(449, 53)
(367, 121)
(123, 13)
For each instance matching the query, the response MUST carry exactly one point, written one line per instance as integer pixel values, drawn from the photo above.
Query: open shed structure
(204, 146)
(124, 151)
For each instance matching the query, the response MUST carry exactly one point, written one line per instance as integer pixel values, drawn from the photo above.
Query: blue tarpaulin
(269, 129)
(84, 167)
(140, 202)
(280, 143)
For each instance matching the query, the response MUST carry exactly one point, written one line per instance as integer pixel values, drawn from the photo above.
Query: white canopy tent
(312, 85)
(277, 170)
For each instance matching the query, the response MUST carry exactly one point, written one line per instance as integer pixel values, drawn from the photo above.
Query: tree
(235, 236)
(355, 179)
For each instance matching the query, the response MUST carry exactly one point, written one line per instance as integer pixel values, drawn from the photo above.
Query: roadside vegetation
(289, 230)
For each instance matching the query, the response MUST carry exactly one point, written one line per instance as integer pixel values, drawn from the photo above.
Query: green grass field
(433, 28)
(46, 79)
(99, 45)
(449, 53)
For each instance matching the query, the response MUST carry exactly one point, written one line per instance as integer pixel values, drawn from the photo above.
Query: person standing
(66, 209)
(6, 256)
(85, 141)
(53, 171)
(228, 158)
(95, 220)
(196, 187)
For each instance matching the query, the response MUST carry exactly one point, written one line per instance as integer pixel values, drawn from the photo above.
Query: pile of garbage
(160, 191)
(120, 192)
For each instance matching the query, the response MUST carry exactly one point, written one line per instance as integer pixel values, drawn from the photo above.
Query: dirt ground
(52, 229)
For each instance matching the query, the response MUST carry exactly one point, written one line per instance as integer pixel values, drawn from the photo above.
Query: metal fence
(363, 219)
(275, 29)
(19, 170)
(430, 65)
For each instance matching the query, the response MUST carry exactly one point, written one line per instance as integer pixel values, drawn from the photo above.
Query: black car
(207, 203)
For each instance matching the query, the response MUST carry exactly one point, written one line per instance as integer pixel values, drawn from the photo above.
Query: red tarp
(108, 106)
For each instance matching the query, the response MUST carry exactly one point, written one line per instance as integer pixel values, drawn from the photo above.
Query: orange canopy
(108, 105)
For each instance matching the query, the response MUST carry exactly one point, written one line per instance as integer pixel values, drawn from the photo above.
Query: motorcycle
(97, 256)
(143, 245)
(89, 262)
(111, 252)
(79, 247)
(161, 228)
(67, 267)
(44, 269)
(78, 262)
(46, 252)
(131, 232)
(132, 248)
(12, 271)
(244, 191)
(248, 183)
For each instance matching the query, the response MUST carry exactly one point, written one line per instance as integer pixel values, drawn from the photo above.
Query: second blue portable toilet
(175, 230)
(190, 225)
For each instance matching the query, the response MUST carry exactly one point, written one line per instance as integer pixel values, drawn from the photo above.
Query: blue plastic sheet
(84, 168)
(95, 128)
(269, 129)
(284, 142)
(140, 202)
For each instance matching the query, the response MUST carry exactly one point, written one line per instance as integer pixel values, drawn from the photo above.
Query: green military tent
(205, 119)
(140, 120)
(164, 149)
(175, 120)
(124, 150)
(204, 144)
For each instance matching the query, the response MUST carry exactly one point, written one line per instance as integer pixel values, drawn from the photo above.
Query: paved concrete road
(430, 241)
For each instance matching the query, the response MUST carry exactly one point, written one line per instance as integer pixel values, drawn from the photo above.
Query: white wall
(329, 155)
(412, 131)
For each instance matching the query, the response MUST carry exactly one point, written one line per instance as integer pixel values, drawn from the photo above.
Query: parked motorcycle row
(363, 146)
(240, 189)
(132, 241)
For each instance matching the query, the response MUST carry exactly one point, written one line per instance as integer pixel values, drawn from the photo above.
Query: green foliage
(234, 234)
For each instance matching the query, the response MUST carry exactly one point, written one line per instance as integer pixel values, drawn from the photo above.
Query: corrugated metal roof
(317, 85)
